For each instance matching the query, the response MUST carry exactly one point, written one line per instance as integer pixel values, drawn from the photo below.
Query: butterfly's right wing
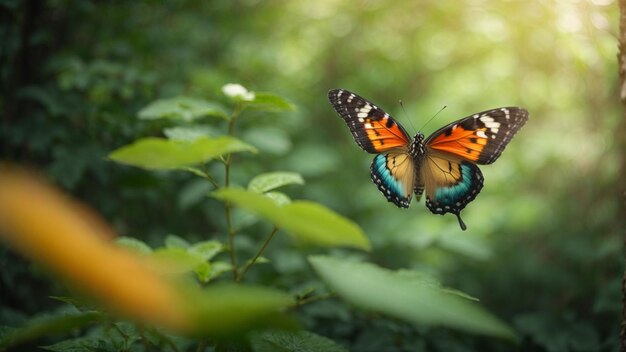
(373, 129)
(450, 183)
(479, 138)
(394, 175)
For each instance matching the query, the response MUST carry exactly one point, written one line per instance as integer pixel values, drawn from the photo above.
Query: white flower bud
(237, 91)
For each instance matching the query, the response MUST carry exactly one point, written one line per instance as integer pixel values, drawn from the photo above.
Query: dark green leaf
(288, 341)
(405, 297)
(227, 308)
(193, 192)
(81, 303)
(47, 325)
(160, 153)
(80, 344)
(307, 221)
(183, 108)
(269, 181)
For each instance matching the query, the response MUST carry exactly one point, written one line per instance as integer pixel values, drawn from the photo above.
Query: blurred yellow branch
(70, 240)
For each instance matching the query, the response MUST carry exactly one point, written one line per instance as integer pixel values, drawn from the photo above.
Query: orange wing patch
(384, 134)
(467, 144)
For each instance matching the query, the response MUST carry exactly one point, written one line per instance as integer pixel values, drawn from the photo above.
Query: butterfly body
(443, 165)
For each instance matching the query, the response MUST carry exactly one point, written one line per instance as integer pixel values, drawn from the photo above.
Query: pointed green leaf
(188, 133)
(133, 244)
(160, 153)
(269, 102)
(278, 197)
(226, 308)
(47, 325)
(405, 297)
(307, 221)
(206, 249)
(81, 303)
(203, 272)
(272, 180)
(317, 224)
(293, 341)
(79, 344)
(183, 108)
(173, 241)
(174, 260)
(219, 268)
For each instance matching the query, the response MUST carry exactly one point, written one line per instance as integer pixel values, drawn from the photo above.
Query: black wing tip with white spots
(514, 117)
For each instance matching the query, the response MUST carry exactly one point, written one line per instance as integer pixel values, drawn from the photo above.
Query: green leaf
(259, 260)
(182, 108)
(81, 303)
(203, 272)
(405, 297)
(206, 249)
(209, 271)
(133, 244)
(47, 325)
(219, 268)
(307, 221)
(80, 344)
(269, 102)
(193, 192)
(278, 197)
(175, 260)
(173, 241)
(272, 180)
(164, 154)
(188, 134)
(289, 341)
(269, 140)
(227, 308)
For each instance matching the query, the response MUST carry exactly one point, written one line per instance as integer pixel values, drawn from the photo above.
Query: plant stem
(209, 178)
(201, 346)
(621, 141)
(227, 207)
(313, 299)
(258, 254)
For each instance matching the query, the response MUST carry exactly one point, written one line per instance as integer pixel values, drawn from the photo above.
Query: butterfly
(444, 165)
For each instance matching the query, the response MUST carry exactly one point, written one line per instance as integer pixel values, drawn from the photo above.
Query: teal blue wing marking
(393, 174)
(454, 196)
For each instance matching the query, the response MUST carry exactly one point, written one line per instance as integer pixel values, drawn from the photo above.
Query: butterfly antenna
(406, 115)
(440, 110)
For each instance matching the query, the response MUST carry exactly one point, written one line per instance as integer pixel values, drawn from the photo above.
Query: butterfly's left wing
(394, 175)
(479, 138)
(450, 183)
(374, 130)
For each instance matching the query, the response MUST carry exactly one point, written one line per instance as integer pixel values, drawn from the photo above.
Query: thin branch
(621, 140)
(311, 299)
(258, 254)
(227, 207)
(201, 346)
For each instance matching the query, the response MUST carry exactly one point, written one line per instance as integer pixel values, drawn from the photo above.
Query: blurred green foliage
(543, 248)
